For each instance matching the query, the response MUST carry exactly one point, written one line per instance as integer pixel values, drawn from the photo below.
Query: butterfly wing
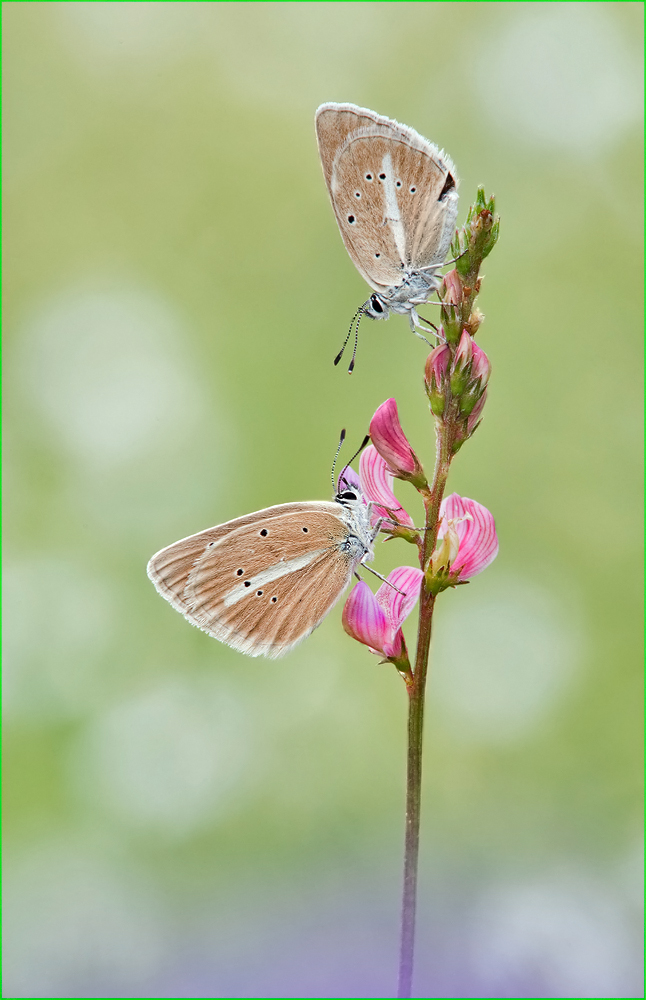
(260, 583)
(393, 192)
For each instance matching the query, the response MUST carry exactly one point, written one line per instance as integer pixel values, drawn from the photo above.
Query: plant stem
(432, 500)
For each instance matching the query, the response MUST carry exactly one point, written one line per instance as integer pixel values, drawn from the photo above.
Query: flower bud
(480, 366)
(474, 416)
(451, 289)
(390, 441)
(435, 370)
(461, 365)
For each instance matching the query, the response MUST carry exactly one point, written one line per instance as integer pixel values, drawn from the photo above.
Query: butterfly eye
(376, 304)
(348, 495)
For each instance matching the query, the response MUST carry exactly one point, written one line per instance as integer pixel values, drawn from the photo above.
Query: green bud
(437, 403)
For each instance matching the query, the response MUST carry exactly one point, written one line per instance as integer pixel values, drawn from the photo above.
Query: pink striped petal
(477, 535)
(396, 606)
(390, 440)
(376, 482)
(364, 620)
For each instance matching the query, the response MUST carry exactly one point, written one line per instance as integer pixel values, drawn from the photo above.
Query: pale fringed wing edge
(346, 119)
(169, 569)
(336, 124)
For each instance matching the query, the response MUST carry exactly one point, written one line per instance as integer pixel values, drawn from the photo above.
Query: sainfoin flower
(376, 619)
(391, 443)
(376, 482)
(467, 536)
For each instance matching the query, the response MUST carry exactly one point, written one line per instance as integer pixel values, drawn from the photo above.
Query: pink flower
(474, 535)
(390, 441)
(376, 619)
(376, 483)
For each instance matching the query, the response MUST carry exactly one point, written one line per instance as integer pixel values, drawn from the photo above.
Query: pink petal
(437, 364)
(390, 440)
(480, 366)
(364, 620)
(453, 288)
(396, 606)
(476, 412)
(478, 539)
(348, 478)
(463, 353)
(376, 482)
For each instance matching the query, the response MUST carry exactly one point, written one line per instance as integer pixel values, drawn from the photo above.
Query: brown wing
(392, 191)
(260, 583)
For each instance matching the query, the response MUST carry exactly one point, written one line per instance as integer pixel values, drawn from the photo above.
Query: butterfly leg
(377, 527)
(416, 326)
(382, 578)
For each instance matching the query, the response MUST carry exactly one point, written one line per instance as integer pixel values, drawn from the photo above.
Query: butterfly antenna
(357, 452)
(341, 440)
(358, 316)
(345, 342)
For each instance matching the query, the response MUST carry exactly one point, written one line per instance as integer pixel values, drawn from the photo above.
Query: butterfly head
(348, 496)
(349, 492)
(375, 307)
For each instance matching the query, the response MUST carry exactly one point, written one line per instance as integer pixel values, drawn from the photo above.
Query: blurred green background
(183, 821)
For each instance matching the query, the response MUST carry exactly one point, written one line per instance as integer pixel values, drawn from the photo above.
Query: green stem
(432, 499)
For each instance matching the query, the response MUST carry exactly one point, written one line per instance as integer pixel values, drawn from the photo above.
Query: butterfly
(261, 583)
(395, 198)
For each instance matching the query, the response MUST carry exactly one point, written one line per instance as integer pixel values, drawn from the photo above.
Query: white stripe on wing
(282, 568)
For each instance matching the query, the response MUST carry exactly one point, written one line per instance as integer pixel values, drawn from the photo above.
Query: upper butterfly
(395, 198)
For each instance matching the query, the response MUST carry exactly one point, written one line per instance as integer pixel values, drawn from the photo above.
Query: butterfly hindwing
(291, 559)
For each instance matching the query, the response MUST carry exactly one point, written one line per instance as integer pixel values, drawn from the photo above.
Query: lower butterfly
(263, 582)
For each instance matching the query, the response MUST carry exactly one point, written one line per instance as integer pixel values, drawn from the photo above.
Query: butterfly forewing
(170, 567)
(392, 191)
(261, 582)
